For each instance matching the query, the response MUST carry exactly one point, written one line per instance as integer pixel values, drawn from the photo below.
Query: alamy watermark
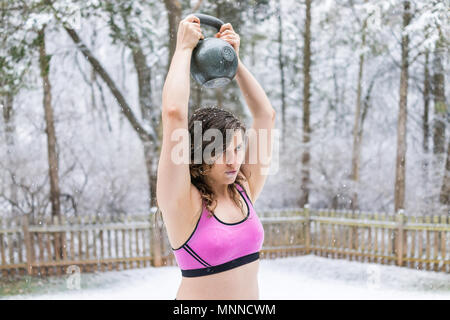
(73, 281)
(263, 147)
(373, 277)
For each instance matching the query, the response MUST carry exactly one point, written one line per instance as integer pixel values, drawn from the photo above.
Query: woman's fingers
(197, 28)
(234, 41)
(228, 37)
(189, 32)
(228, 32)
(233, 37)
(192, 18)
(231, 41)
(226, 26)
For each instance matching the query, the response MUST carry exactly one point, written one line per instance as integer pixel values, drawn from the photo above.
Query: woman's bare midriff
(240, 283)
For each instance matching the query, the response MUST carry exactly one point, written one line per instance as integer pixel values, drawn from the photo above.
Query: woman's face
(227, 165)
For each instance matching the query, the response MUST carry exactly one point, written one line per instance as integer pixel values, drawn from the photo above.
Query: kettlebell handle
(209, 20)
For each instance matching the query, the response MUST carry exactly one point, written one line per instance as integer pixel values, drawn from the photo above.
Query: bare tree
(305, 171)
(15, 62)
(425, 120)
(440, 119)
(399, 191)
(445, 189)
(426, 103)
(44, 64)
(281, 64)
(10, 138)
(440, 109)
(174, 17)
(356, 151)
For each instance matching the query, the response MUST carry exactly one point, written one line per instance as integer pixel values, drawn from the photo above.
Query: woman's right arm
(175, 96)
(173, 188)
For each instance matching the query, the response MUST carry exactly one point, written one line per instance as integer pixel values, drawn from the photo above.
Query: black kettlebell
(214, 61)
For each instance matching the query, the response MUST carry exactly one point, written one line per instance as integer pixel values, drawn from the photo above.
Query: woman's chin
(230, 177)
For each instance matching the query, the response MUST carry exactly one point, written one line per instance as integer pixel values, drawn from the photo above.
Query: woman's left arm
(254, 94)
(259, 149)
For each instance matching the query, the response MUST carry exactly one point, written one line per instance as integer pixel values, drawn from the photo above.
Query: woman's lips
(231, 172)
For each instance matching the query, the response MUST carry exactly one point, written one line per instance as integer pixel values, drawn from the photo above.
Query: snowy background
(102, 168)
(101, 158)
(294, 278)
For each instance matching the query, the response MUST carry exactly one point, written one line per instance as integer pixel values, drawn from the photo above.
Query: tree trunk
(439, 123)
(306, 107)
(151, 164)
(10, 134)
(44, 63)
(145, 102)
(426, 128)
(356, 152)
(426, 103)
(402, 115)
(440, 109)
(197, 94)
(174, 16)
(445, 189)
(149, 138)
(218, 92)
(150, 116)
(282, 76)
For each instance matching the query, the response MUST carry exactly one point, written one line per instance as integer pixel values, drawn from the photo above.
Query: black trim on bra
(230, 224)
(246, 195)
(248, 211)
(196, 256)
(221, 267)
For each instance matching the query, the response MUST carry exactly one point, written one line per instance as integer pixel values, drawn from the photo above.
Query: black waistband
(221, 267)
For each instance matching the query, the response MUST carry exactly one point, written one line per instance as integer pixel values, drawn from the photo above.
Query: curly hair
(211, 117)
(220, 119)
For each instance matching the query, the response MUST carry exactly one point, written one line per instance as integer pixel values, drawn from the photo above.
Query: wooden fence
(43, 248)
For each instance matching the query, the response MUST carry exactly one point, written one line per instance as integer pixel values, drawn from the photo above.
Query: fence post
(155, 236)
(307, 229)
(400, 243)
(27, 239)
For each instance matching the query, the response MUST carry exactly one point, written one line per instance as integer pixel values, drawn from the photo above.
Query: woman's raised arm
(175, 95)
(263, 120)
(173, 188)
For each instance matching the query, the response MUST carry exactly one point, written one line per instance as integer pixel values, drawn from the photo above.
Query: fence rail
(92, 244)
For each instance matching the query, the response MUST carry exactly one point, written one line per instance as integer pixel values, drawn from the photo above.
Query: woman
(207, 207)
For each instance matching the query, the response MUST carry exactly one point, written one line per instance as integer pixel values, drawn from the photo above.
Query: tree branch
(142, 133)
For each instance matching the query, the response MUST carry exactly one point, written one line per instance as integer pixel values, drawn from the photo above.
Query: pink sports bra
(216, 246)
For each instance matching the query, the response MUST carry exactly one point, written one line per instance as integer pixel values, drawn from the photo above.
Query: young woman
(207, 207)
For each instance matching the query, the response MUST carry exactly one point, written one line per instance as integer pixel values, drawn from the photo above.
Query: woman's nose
(230, 157)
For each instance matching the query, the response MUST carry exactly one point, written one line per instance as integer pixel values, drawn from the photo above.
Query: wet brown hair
(212, 117)
(222, 120)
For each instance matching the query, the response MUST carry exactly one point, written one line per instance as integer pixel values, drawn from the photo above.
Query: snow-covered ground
(305, 277)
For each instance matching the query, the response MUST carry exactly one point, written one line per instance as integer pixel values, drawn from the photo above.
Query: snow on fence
(90, 244)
